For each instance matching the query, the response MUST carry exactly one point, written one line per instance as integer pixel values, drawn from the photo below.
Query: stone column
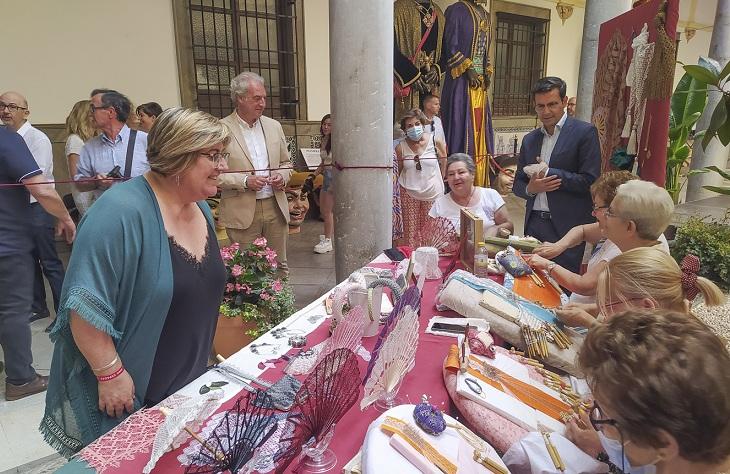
(596, 12)
(361, 94)
(715, 154)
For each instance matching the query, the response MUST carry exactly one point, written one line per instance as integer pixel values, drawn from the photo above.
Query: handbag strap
(130, 154)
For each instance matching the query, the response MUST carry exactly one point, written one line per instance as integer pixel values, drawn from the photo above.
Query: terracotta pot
(230, 335)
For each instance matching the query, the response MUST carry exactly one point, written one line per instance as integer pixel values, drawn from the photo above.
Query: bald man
(15, 117)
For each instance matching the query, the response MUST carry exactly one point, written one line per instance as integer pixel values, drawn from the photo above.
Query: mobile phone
(446, 327)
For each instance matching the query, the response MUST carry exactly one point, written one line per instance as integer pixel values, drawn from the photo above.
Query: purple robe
(461, 26)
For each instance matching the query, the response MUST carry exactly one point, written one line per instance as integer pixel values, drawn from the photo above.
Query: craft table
(127, 448)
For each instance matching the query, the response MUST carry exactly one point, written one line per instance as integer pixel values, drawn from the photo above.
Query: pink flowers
(260, 242)
(277, 286)
(265, 296)
(237, 270)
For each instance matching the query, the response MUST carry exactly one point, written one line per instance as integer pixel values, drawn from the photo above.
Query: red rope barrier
(336, 165)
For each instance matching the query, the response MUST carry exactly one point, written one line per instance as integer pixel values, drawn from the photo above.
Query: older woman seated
(661, 389)
(646, 278)
(583, 287)
(483, 202)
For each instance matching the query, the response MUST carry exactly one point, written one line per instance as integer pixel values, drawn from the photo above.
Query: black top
(186, 338)
(16, 164)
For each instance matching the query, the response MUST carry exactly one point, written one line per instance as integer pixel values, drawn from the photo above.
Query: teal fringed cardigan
(119, 280)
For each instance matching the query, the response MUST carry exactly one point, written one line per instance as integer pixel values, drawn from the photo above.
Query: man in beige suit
(253, 203)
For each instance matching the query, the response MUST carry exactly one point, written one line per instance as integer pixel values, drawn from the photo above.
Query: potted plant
(255, 298)
(710, 241)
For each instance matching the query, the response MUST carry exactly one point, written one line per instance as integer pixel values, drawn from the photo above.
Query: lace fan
(440, 233)
(187, 415)
(233, 442)
(325, 396)
(348, 335)
(394, 360)
(411, 298)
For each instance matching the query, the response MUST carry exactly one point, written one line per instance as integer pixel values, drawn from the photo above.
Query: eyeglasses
(614, 303)
(611, 213)
(11, 107)
(94, 108)
(597, 420)
(417, 160)
(217, 158)
(256, 98)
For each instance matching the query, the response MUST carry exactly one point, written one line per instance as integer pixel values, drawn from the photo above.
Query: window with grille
(519, 61)
(232, 36)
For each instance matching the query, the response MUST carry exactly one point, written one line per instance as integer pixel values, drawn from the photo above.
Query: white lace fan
(395, 359)
(189, 414)
(347, 335)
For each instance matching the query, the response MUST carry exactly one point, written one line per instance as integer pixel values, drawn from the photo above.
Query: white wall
(317, 59)
(55, 52)
(690, 52)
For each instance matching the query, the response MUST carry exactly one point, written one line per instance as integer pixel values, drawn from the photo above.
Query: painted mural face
(505, 180)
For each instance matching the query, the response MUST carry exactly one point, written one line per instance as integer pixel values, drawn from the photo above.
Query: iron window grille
(232, 36)
(519, 61)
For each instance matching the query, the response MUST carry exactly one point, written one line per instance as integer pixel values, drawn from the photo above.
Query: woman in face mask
(421, 162)
(661, 387)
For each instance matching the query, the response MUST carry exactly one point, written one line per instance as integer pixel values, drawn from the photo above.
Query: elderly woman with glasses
(421, 158)
(143, 287)
(631, 214)
(661, 388)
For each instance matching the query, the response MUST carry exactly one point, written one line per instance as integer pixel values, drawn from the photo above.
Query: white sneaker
(324, 245)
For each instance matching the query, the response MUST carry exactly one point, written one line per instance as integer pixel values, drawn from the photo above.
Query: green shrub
(710, 241)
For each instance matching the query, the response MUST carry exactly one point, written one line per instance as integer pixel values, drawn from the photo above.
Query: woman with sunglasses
(421, 159)
(140, 302)
(661, 388)
(485, 203)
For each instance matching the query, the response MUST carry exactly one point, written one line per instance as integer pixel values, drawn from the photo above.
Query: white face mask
(415, 132)
(614, 449)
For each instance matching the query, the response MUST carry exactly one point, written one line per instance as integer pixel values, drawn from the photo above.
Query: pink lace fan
(325, 396)
(394, 360)
(440, 233)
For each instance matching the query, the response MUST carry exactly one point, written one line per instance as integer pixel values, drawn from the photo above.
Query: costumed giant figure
(419, 30)
(465, 107)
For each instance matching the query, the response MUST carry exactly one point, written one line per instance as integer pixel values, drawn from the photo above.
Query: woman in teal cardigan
(141, 296)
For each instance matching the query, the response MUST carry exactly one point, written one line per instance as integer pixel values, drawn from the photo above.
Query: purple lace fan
(328, 392)
(411, 297)
(245, 427)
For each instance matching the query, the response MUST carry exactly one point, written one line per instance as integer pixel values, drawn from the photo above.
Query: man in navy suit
(558, 197)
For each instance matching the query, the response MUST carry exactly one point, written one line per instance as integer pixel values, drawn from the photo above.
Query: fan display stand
(319, 458)
(388, 400)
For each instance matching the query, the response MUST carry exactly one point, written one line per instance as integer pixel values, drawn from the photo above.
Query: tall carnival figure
(419, 30)
(465, 108)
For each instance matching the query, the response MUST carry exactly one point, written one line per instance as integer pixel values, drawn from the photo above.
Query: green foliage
(688, 101)
(708, 74)
(710, 241)
(717, 189)
(253, 290)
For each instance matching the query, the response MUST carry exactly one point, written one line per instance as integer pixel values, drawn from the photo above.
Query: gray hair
(461, 158)
(648, 205)
(240, 83)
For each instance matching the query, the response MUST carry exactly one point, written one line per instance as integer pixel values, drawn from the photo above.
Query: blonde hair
(79, 121)
(416, 114)
(178, 135)
(647, 272)
(649, 206)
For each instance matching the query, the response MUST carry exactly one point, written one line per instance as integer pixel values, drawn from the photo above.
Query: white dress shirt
(437, 128)
(548, 144)
(40, 148)
(256, 144)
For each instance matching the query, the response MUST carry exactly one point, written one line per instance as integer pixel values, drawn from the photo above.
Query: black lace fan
(245, 427)
(325, 396)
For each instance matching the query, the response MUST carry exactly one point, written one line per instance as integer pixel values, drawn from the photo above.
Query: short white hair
(648, 205)
(240, 83)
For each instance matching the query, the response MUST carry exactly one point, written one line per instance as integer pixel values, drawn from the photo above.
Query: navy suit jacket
(576, 159)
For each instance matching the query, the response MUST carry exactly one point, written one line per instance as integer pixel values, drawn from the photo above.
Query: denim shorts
(327, 173)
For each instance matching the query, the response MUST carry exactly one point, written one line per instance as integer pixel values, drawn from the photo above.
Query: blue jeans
(46, 259)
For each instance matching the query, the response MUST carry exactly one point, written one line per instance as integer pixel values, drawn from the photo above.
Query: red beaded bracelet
(113, 375)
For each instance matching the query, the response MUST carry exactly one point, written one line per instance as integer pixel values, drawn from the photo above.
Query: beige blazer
(237, 204)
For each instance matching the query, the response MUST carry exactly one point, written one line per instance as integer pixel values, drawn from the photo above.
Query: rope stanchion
(337, 165)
